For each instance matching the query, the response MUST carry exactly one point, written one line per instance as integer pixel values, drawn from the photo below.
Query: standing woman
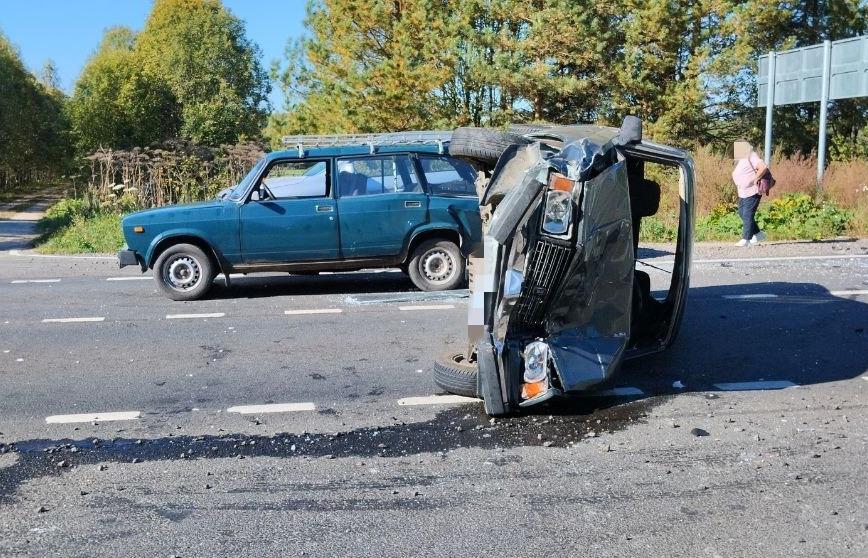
(749, 167)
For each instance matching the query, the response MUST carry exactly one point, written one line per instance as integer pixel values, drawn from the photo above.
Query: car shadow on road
(258, 286)
(646, 252)
(778, 333)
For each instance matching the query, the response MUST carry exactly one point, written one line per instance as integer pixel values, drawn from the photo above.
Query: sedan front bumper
(128, 257)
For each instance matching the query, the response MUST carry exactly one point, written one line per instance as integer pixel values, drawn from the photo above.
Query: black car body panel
(572, 297)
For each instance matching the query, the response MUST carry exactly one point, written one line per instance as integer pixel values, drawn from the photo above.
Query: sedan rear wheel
(184, 272)
(437, 265)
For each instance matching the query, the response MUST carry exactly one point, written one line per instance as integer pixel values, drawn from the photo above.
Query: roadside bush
(790, 216)
(654, 229)
(800, 216)
(99, 233)
(75, 225)
(62, 214)
(173, 172)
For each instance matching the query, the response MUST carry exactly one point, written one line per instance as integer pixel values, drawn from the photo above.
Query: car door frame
(267, 265)
(424, 201)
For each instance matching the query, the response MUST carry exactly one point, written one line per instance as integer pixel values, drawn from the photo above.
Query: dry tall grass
(844, 182)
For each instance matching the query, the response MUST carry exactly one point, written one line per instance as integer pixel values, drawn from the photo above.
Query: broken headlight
(559, 205)
(536, 369)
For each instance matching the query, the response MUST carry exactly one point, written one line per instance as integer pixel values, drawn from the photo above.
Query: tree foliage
(686, 67)
(190, 73)
(33, 135)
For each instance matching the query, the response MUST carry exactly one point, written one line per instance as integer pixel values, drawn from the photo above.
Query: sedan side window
(447, 176)
(297, 179)
(386, 174)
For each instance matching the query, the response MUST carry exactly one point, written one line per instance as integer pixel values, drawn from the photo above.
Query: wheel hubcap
(183, 273)
(438, 266)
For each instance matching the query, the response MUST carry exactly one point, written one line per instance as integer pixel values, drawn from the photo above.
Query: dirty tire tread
(482, 144)
(526, 128)
(453, 377)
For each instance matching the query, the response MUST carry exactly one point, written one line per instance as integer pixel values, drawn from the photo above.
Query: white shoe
(741, 243)
(758, 237)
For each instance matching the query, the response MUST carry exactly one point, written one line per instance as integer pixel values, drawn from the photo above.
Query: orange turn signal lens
(561, 183)
(529, 390)
(138, 229)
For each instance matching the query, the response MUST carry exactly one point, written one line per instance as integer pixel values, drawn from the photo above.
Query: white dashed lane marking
(23, 281)
(753, 386)
(750, 296)
(72, 320)
(272, 408)
(93, 417)
(849, 293)
(437, 400)
(427, 307)
(191, 316)
(313, 311)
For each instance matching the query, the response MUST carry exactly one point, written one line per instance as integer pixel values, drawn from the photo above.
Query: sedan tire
(437, 265)
(184, 272)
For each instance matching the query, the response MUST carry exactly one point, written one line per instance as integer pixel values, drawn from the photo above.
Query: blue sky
(68, 31)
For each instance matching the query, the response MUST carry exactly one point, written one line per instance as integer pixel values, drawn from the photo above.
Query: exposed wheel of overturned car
(483, 144)
(455, 374)
(436, 265)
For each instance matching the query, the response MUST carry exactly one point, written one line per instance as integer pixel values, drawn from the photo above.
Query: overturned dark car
(557, 301)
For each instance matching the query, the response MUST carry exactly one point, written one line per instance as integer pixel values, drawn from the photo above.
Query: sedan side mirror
(254, 195)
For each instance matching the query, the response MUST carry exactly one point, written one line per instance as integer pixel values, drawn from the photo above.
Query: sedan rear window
(448, 177)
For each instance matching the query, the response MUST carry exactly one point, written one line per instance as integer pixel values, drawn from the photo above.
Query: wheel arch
(161, 244)
(440, 233)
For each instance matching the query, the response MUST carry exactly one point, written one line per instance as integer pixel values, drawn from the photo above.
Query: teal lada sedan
(328, 203)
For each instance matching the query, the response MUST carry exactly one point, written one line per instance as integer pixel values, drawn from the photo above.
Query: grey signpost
(829, 71)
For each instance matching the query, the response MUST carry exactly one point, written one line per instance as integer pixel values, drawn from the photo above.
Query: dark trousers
(747, 211)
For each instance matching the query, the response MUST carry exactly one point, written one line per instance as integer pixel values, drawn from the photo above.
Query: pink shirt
(744, 175)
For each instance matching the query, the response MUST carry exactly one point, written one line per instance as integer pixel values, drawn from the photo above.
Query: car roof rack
(373, 141)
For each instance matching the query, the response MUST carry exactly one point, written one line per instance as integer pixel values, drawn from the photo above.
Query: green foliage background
(191, 73)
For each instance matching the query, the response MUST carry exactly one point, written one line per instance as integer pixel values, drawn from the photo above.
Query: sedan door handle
(412, 204)
(324, 208)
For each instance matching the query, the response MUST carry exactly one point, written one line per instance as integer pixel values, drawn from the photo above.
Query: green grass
(99, 233)
(789, 217)
(71, 227)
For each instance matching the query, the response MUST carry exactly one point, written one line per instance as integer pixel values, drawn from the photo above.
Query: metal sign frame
(831, 70)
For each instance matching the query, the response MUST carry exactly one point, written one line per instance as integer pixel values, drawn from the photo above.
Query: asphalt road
(176, 455)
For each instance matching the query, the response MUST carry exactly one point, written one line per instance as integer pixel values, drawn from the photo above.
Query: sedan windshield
(239, 189)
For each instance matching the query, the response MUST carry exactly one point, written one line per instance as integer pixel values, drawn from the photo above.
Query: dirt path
(17, 226)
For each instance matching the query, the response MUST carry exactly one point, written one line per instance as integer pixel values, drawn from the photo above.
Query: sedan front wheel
(184, 272)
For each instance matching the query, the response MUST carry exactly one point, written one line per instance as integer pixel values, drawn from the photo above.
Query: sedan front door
(290, 215)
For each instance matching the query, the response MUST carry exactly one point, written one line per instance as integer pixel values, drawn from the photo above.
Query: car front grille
(546, 266)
